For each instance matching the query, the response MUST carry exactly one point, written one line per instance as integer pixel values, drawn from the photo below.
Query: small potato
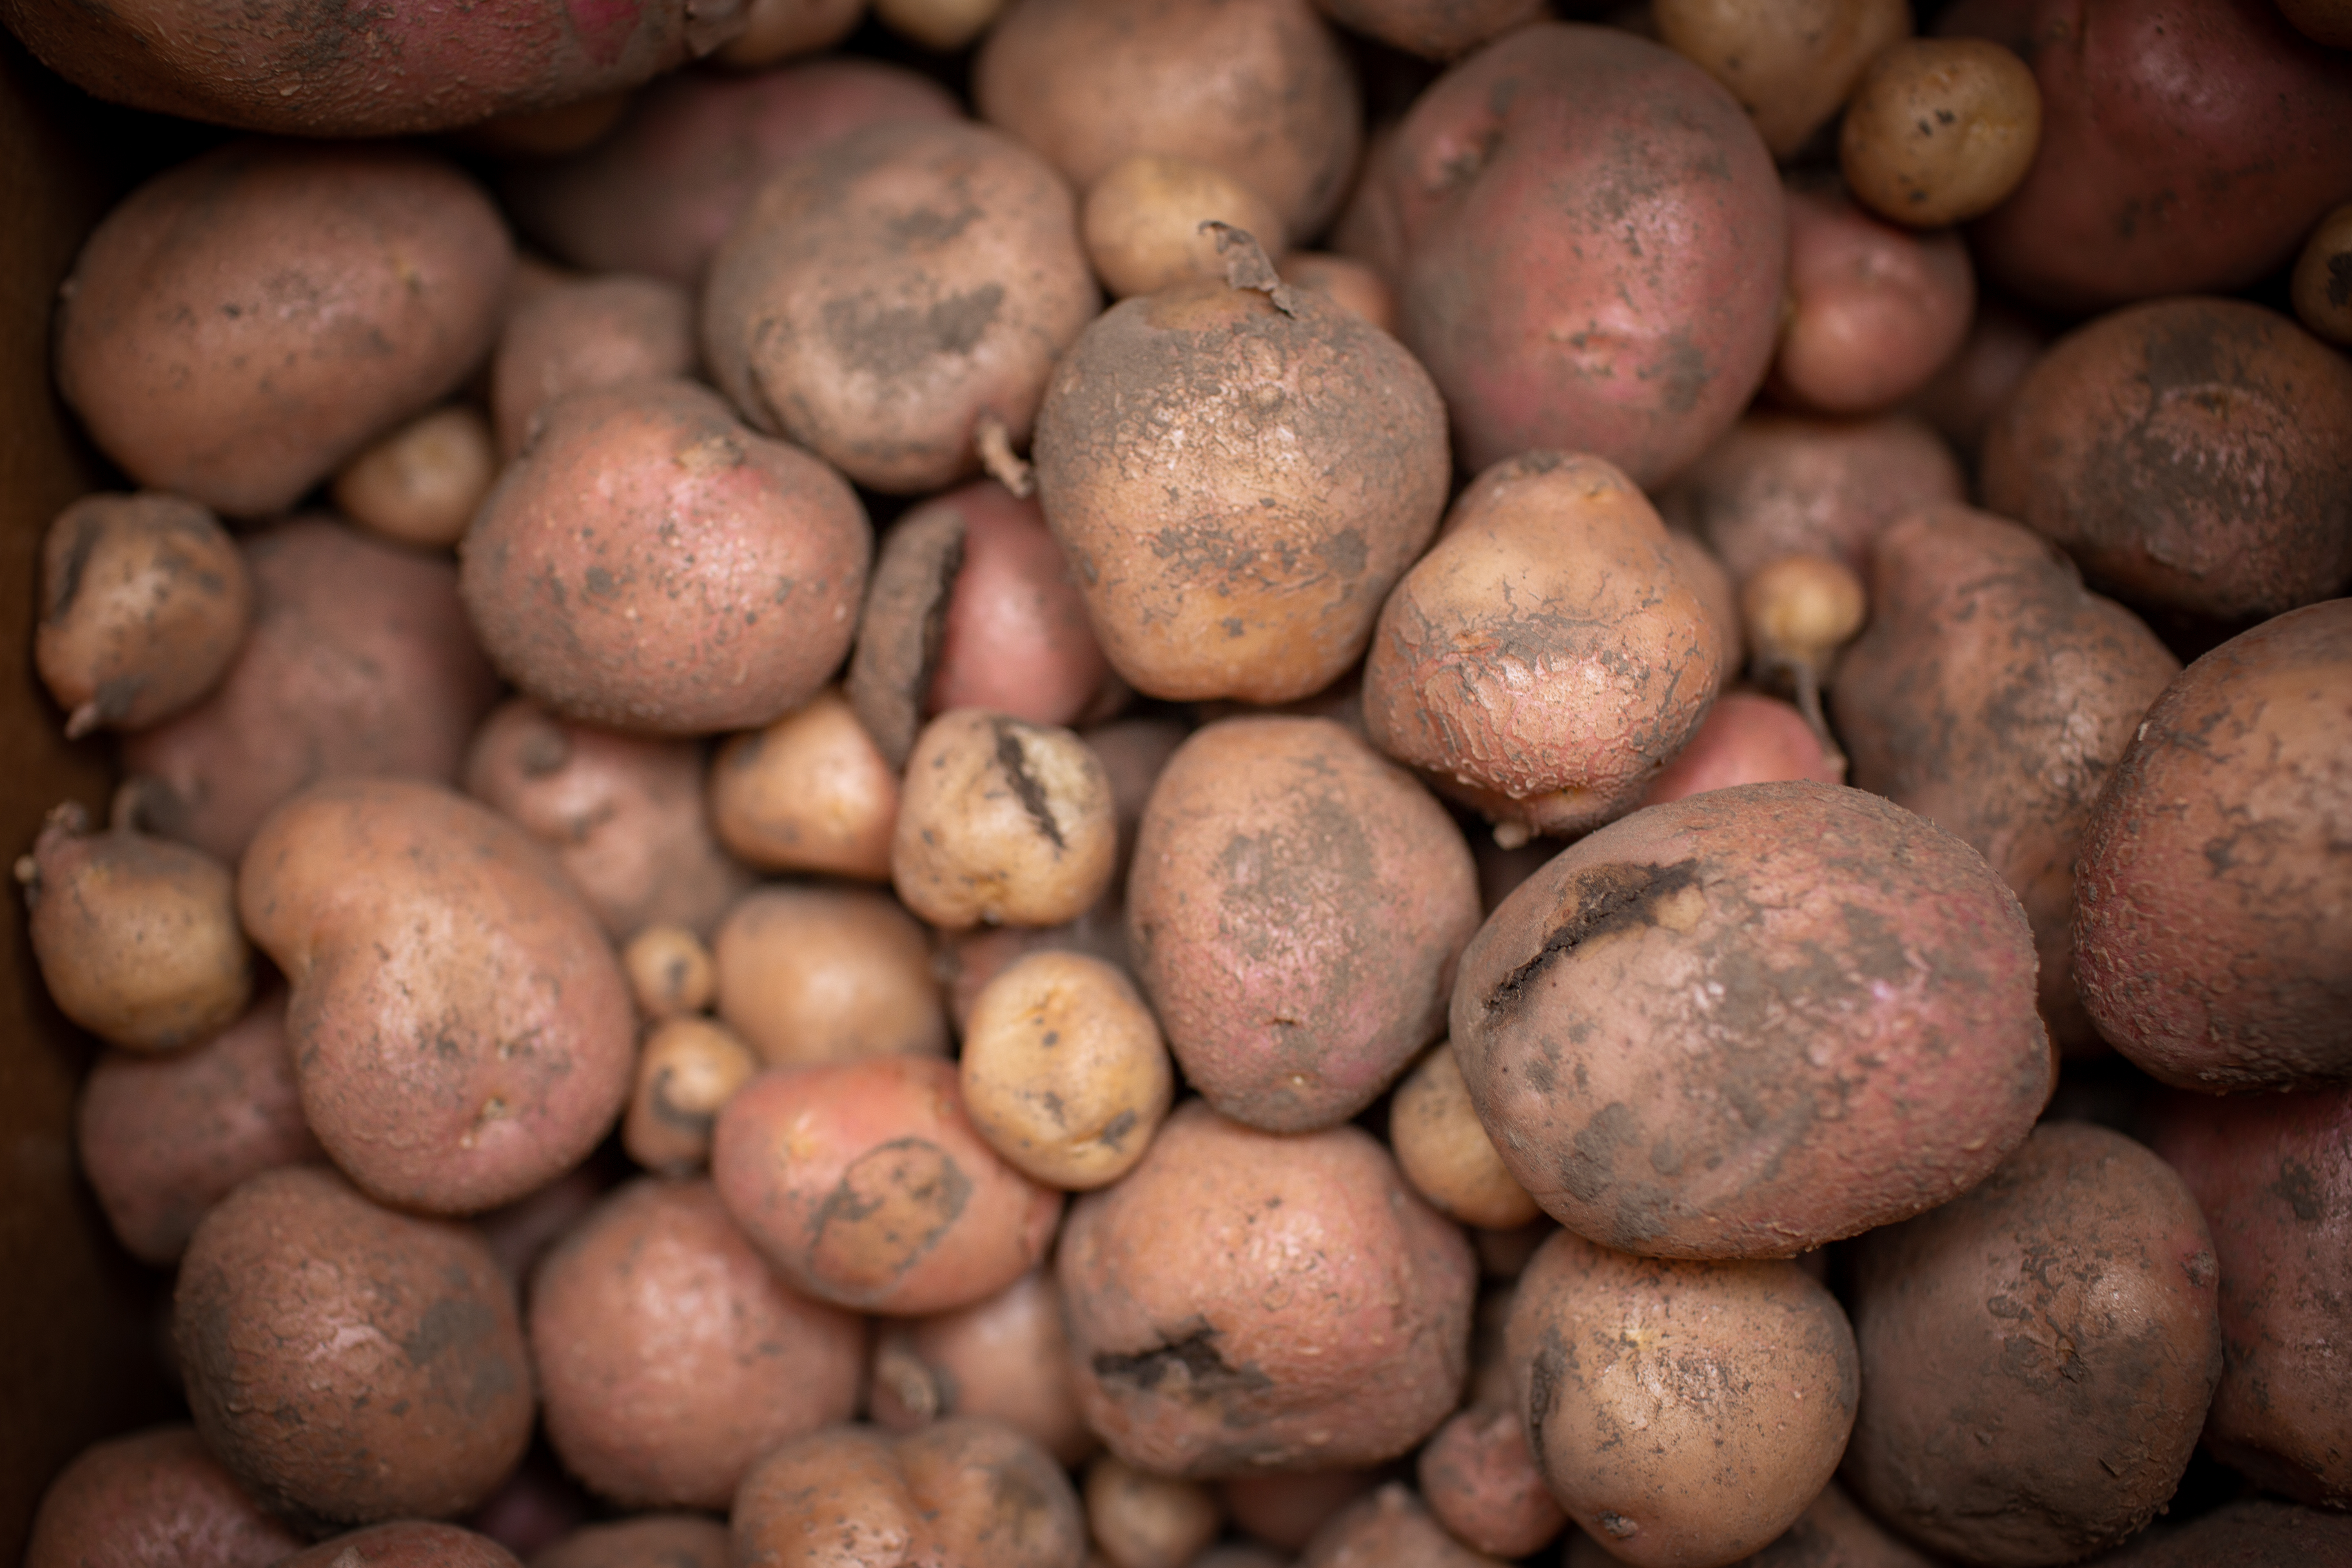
(1877, 309)
(406, 1543)
(1831, 1533)
(1005, 1359)
(2323, 279)
(1940, 130)
(966, 961)
(1347, 282)
(145, 601)
(778, 29)
(1391, 1529)
(1142, 1521)
(811, 792)
(1144, 222)
(154, 1497)
(671, 972)
(1790, 63)
(1002, 822)
(1482, 1483)
(1446, 1155)
(1962, 399)
(420, 484)
(1746, 738)
(580, 335)
(1434, 29)
(686, 1072)
(945, 25)
(1063, 1069)
(647, 1541)
(823, 974)
(1285, 1509)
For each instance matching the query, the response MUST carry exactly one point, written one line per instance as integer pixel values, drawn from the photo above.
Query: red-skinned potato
(461, 1030)
(1005, 1359)
(823, 974)
(1391, 1529)
(1875, 310)
(645, 1540)
(1746, 738)
(1015, 638)
(405, 1544)
(153, 1497)
(576, 336)
(1482, 1483)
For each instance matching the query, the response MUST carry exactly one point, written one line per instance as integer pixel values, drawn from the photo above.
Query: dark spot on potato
(890, 1208)
(1206, 1373)
(2340, 279)
(1605, 900)
(2300, 1189)
(1543, 1393)
(1014, 760)
(88, 530)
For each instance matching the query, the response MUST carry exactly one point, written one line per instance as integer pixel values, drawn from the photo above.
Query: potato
(822, 975)
(2257, 1532)
(1145, 222)
(1790, 63)
(1585, 260)
(966, 961)
(1244, 1301)
(810, 792)
(245, 321)
(2037, 1354)
(406, 1543)
(670, 971)
(2272, 1175)
(888, 295)
(1752, 1021)
(420, 483)
(152, 1496)
(945, 25)
(1285, 1510)
(360, 662)
(1962, 399)
(461, 1032)
(2323, 279)
(2322, 21)
(1143, 1520)
(2211, 907)
(777, 29)
(145, 601)
(1002, 822)
(1682, 1412)
(668, 1357)
(1434, 29)
(1348, 283)
(1005, 1359)
(1830, 1533)
(162, 1141)
(1258, 88)
(2190, 454)
(864, 1184)
(1446, 1155)
(345, 1363)
(1547, 659)
(1940, 130)
(643, 1541)
(689, 1068)
(1391, 1529)
(1295, 909)
(1746, 738)
(1875, 310)
(1482, 1483)
(578, 336)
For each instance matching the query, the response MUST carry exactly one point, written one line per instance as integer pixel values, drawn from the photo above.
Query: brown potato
(1940, 130)
(405, 1544)
(966, 961)
(346, 1363)
(778, 29)
(2323, 279)
(1448, 1158)
(689, 1068)
(153, 1497)
(420, 483)
(2258, 1533)
(669, 1359)
(1063, 1071)
(1434, 29)
(1141, 1521)
(145, 601)
(1144, 221)
(2325, 22)
(580, 335)
(1482, 1483)
(1790, 63)
(811, 792)
(1875, 310)
(1005, 1359)
(1391, 1529)
(671, 972)
(1830, 1533)
(1002, 822)
(823, 975)
(945, 25)
(645, 1540)
(245, 321)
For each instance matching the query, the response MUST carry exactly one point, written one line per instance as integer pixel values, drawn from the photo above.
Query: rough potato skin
(152, 1500)
(2272, 1175)
(348, 1363)
(1296, 907)
(246, 320)
(2213, 897)
(1244, 1302)
(405, 1544)
(2195, 454)
(2037, 1355)
(651, 565)
(2258, 1533)
(1752, 1021)
(1238, 480)
(1993, 696)
(461, 1031)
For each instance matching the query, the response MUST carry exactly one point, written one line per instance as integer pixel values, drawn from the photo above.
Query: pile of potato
(1207, 784)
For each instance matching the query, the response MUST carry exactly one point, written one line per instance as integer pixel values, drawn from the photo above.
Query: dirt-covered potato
(2037, 1354)
(405, 1544)
(1145, 222)
(154, 1497)
(2195, 454)
(580, 335)
(360, 662)
(810, 792)
(821, 974)
(461, 1031)
(1002, 822)
(2213, 900)
(1547, 659)
(1481, 1481)
(1063, 1069)
(651, 564)
(1939, 130)
(348, 1363)
(145, 601)
(2323, 279)
(1752, 1021)
(137, 937)
(887, 295)
(1391, 1529)
(1790, 63)
(246, 320)
(420, 483)
(1446, 1155)
(865, 1184)
(671, 971)
(1874, 311)
(689, 1069)
(1992, 695)
(1005, 1359)
(643, 1540)
(669, 1359)
(1294, 909)
(1245, 1302)
(1143, 1520)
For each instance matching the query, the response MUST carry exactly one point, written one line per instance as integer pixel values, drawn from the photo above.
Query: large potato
(149, 1498)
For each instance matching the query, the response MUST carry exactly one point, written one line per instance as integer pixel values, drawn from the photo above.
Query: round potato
(1940, 130)
(1792, 63)
(827, 974)
(152, 1496)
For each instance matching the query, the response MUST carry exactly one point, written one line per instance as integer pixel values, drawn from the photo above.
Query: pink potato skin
(1016, 639)
(152, 1500)
(1878, 307)
(1746, 738)
(405, 1544)
(1585, 235)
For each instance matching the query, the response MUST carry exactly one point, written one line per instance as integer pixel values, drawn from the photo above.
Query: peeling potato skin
(1238, 486)
(1830, 1533)
(152, 1500)
(2213, 895)
(2037, 1355)
(1547, 659)
(1683, 1412)
(885, 294)
(1992, 695)
(2258, 1533)
(2272, 1175)
(405, 1544)
(1296, 908)
(864, 1184)
(1391, 1529)
(1244, 1302)
(461, 1030)
(2194, 454)
(348, 1363)
(1748, 1022)
(647, 1541)
(651, 565)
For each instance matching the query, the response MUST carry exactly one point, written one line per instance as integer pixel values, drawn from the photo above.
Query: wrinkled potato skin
(2273, 1176)
(1993, 696)
(2213, 902)
(461, 1030)
(242, 323)
(1005, 1359)
(1244, 1301)
(360, 661)
(669, 1358)
(826, 974)
(1249, 567)
(1391, 1529)
(154, 1498)
(1752, 1021)
(580, 335)
(647, 1541)
(1683, 1412)
(1831, 1533)
(2037, 1355)
(1296, 908)
(652, 565)
(348, 1363)
(1547, 657)
(405, 1544)
(1482, 1483)
(1791, 66)
(2189, 453)
(1877, 309)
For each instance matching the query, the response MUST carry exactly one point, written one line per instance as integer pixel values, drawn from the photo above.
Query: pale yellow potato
(1790, 63)
(1143, 219)
(421, 484)
(1064, 1071)
(811, 792)
(670, 971)
(689, 1069)
(810, 974)
(1940, 130)
(1143, 1520)
(1002, 822)
(1445, 1151)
